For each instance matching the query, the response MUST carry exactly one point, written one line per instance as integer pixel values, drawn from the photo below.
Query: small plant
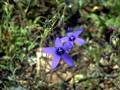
(64, 46)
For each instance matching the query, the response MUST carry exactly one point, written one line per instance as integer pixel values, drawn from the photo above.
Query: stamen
(60, 51)
(72, 38)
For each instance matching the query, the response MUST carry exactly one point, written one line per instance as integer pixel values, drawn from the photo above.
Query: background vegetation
(28, 25)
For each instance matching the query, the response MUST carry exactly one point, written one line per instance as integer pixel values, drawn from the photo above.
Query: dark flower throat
(72, 38)
(60, 51)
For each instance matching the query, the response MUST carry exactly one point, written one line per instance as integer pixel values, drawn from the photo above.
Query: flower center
(72, 38)
(60, 51)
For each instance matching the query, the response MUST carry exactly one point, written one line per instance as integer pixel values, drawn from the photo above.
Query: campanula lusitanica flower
(59, 51)
(72, 37)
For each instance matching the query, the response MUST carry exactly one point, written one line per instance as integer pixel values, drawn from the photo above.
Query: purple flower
(59, 51)
(72, 37)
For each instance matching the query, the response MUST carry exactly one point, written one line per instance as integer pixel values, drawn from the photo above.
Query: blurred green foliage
(27, 24)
